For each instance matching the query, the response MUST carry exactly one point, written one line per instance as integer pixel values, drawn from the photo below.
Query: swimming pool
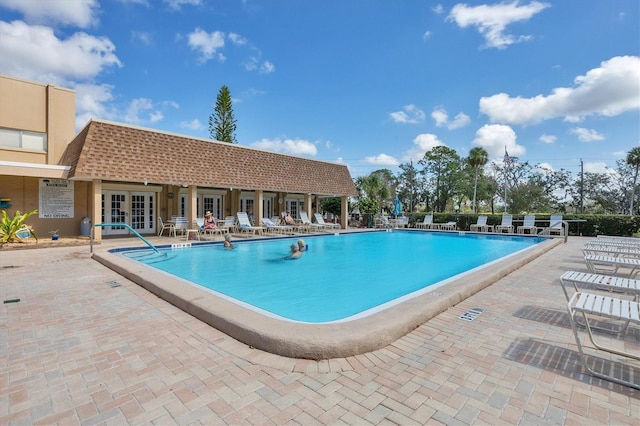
(340, 338)
(340, 277)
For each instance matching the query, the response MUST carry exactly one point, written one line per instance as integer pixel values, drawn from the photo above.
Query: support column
(95, 209)
(258, 212)
(192, 200)
(307, 206)
(344, 212)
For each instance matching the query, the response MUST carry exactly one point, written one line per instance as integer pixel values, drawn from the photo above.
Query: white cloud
(438, 9)
(382, 160)
(409, 114)
(136, 107)
(35, 53)
(441, 117)
(586, 135)
(79, 13)
(267, 67)
(421, 144)
(237, 39)
(177, 4)
(596, 167)
(141, 36)
(608, 90)
(495, 137)
(544, 168)
(155, 116)
(426, 35)
(91, 101)
(289, 146)
(492, 20)
(191, 125)
(459, 121)
(547, 138)
(207, 44)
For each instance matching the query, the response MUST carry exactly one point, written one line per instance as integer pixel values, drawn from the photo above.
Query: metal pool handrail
(133, 231)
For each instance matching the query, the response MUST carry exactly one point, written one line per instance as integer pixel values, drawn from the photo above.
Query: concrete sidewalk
(86, 346)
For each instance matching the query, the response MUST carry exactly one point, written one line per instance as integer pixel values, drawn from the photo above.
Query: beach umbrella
(397, 207)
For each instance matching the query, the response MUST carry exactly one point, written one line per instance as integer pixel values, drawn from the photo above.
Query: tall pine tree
(222, 124)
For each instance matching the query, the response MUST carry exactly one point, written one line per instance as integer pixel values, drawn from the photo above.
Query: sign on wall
(56, 199)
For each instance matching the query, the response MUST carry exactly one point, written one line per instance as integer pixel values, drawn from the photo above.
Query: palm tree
(478, 157)
(633, 159)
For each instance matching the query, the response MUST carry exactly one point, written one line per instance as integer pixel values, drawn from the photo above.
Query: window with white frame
(294, 206)
(23, 139)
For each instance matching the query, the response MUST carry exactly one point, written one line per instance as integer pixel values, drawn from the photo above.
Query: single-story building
(117, 173)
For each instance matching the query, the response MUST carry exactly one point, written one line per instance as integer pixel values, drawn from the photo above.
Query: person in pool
(301, 245)
(227, 242)
(295, 252)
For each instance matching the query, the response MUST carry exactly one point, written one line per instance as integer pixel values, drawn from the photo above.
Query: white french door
(115, 209)
(136, 209)
(143, 215)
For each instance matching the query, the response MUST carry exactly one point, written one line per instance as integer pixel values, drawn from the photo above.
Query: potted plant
(54, 235)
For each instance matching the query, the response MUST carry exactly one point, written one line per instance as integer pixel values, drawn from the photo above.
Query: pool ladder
(123, 225)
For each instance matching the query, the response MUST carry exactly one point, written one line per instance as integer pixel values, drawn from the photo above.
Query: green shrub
(9, 227)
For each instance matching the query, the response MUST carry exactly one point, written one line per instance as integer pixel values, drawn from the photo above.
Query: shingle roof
(116, 152)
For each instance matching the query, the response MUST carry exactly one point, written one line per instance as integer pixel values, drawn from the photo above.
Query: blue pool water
(340, 276)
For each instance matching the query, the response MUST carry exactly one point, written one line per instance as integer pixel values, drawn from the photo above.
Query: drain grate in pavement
(471, 314)
(113, 284)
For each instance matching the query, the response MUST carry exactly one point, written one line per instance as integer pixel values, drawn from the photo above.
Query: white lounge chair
(245, 226)
(481, 225)
(611, 250)
(383, 222)
(627, 266)
(308, 224)
(589, 304)
(575, 281)
(427, 223)
(209, 232)
(555, 225)
(528, 224)
(447, 226)
(320, 220)
(275, 228)
(601, 282)
(506, 225)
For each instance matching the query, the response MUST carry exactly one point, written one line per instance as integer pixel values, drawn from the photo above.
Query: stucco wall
(24, 194)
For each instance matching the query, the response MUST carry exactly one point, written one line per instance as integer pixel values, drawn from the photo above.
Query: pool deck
(86, 346)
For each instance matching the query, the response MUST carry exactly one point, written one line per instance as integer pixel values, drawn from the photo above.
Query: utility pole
(581, 186)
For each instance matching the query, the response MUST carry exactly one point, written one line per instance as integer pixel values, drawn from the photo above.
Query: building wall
(37, 107)
(24, 194)
(42, 108)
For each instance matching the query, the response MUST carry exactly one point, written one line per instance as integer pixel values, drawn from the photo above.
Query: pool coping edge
(316, 341)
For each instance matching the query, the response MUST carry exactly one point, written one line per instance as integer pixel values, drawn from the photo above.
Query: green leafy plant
(11, 227)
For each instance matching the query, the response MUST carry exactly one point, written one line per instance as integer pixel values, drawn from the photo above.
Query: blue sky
(371, 84)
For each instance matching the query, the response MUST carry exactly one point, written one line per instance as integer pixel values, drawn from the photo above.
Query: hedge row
(619, 225)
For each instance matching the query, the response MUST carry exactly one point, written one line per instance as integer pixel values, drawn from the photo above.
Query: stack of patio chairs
(607, 302)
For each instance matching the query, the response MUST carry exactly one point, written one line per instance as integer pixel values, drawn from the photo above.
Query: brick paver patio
(86, 346)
